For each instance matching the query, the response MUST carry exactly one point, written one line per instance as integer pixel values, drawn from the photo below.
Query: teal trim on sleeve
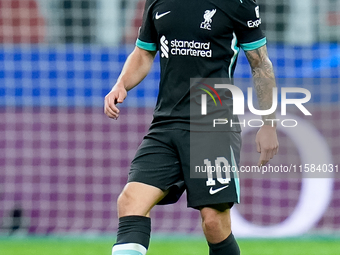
(253, 45)
(146, 46)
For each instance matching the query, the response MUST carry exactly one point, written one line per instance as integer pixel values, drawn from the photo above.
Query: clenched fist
(114, 97)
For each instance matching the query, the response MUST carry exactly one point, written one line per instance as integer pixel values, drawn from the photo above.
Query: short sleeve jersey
(195, 38)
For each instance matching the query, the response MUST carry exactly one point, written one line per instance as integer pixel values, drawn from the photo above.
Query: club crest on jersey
(206, 24)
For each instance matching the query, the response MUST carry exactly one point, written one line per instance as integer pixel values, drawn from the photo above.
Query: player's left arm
(264, 81)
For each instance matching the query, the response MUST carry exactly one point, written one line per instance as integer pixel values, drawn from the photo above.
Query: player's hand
(266, 144)
(114, 97)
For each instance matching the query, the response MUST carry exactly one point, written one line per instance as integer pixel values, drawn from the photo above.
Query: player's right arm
(246, 18)
(136, 67)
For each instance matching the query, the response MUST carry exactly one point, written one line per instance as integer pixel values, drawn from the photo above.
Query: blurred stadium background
(63, 162)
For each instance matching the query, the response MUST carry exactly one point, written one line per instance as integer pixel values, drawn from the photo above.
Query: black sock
(228, 246)
(133, 231)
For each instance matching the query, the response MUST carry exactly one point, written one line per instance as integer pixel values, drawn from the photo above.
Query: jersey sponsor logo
(214, 191)
(164, 47)
(206, 24)
(158, 16)
(257, 22)
(184, 48)
(254, 23)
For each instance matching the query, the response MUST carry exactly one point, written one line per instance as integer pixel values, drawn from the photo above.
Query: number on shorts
(221, 166)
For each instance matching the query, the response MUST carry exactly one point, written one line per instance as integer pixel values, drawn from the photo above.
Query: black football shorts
(204, 164)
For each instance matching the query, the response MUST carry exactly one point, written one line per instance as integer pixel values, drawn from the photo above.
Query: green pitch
(162, 246)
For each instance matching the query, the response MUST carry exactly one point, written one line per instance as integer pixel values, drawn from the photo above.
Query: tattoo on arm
(264, 79)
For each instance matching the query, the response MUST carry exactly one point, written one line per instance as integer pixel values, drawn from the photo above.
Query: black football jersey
(196, 38)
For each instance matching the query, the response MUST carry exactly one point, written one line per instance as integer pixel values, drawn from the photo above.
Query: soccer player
(198, 38)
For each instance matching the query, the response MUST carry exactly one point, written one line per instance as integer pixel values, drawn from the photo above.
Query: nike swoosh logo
(158, 16)
(214, 191)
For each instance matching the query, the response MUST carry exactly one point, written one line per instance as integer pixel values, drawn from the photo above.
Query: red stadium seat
(21, 22)
(131, 32)
(334, 18)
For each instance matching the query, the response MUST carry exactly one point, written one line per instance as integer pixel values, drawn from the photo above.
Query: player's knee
(138, 199)
(211, 224)
(125, 203)
(214, 220)
(130, 202)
